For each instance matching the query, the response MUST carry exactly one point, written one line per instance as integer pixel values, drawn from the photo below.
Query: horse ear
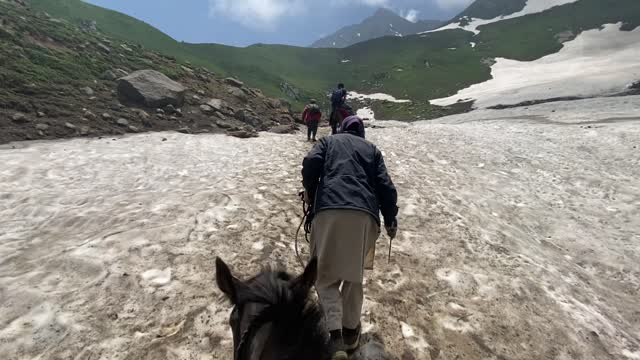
(226, 282)
(308, 277)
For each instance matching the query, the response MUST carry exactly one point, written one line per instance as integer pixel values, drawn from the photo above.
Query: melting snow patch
(345, 61)
(366, 114)
(376, 96)
(410, 336)
(597, 62)
(631, 355)
(472, 44)
(532, 7)
(157, 278)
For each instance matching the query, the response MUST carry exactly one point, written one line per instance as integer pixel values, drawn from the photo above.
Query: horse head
(271, 312)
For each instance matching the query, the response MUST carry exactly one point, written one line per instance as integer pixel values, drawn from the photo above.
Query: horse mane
(296, 319)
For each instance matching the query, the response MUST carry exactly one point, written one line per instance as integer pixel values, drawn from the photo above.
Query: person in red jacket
(311, 117)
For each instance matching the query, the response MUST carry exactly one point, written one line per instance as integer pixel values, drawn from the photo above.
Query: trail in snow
(597, 62)
(519, 238)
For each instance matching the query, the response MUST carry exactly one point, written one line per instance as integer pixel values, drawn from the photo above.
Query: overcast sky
(245, 22)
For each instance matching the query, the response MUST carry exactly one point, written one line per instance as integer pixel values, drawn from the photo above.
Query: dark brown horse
(273, 317)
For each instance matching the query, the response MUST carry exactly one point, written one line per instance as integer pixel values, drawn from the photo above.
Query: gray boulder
(151, 88)
(243, 134)
(19, 118)
(206, 109)
(282, 129)
(217, 104)
(87, 90)
(234, 82)
(122, 122)
(238, 93)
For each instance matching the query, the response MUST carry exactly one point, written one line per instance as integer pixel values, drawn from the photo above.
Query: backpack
(314, 109)
(337, 98)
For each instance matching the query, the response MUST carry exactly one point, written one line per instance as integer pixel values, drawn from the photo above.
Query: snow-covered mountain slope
(519, 238)
(383, 22)
(468, 23)
(597, 62)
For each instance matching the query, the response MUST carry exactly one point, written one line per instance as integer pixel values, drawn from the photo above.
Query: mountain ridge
(383, 22)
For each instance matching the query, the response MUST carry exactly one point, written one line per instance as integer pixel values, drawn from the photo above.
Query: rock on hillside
(151, 88)
(56, 77)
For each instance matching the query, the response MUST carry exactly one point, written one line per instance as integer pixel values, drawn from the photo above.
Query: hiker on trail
(346, 180)
(338, 102)
(311, 117)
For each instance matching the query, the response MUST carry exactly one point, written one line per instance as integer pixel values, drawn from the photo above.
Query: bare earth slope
(519, 238)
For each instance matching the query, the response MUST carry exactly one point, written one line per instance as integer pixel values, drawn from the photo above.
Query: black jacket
(349, 173)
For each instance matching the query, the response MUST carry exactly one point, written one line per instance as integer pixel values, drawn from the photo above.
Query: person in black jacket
(346, 180)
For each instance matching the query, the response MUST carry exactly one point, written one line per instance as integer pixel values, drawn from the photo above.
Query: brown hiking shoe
(351, 337)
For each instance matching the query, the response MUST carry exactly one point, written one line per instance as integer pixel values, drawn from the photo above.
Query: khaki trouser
(341, 239)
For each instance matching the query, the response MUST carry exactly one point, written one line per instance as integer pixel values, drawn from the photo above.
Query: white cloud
(453, 4)
(411, 15)
(260, 14)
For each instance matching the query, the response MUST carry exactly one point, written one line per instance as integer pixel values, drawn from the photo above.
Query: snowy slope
(597, 62)
(519, 238)
(531, 7)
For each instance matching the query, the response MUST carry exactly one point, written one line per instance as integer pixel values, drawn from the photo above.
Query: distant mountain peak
(384, 12)
(383, 22)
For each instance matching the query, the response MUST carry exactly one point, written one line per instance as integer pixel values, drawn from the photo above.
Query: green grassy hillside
(418, 67)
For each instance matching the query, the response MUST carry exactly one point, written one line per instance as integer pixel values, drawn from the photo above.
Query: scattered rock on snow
(243, 134)
(151, 88)
(282, 129)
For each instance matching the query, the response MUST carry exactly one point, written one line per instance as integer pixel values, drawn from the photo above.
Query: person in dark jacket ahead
(346, 180)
